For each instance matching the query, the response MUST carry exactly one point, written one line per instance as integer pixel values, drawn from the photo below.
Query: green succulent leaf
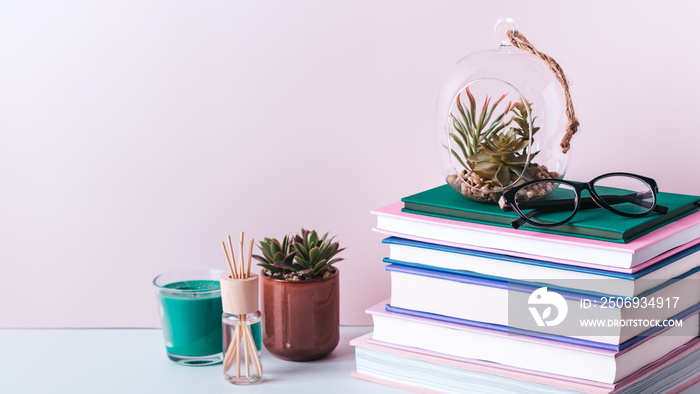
(486, 166)
(320, 266)
(462, 131)
(302, 262)
(484, 111)
(496, 126)
(502, 176)
(259, 258)
(472, 107)
(459, 158)
(301, 249)
(468, 124)
(314, 254)
(492, 144)
(513, 160)
(284, 265)
(460, 144)
(272, 268)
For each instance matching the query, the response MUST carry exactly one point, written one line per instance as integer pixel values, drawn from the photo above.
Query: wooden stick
(255, 356)
(228, 260)
(228, 363)
(238, 359)
(233, 257)
(240, 251)
(234, 353)
(230, 352)
(245, 350)
(250, 256)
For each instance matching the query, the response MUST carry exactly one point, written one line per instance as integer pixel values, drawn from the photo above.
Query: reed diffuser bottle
(241, 323)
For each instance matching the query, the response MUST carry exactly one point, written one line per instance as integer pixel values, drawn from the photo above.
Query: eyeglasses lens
(625, 194)
(547, 201)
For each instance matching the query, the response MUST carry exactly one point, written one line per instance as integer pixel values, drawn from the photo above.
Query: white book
(509, 305)
(505, 267)
(528, 353)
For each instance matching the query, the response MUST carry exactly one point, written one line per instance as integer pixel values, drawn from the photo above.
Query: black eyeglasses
(553, 202)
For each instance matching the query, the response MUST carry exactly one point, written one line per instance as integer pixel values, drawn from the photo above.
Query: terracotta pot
(301, 318)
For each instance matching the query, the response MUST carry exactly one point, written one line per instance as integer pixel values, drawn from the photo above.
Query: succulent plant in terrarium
(300, 257)
(492, 146)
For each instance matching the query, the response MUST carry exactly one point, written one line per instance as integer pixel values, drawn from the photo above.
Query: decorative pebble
(474, 187)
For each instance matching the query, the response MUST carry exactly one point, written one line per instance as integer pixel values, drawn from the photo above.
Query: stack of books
(602, 304)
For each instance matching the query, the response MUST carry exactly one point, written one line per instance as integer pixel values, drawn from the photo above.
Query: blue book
(523, 270)
(528, 306)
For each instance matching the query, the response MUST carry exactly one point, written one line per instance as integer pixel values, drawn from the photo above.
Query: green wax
(192, 322)
(256, 330)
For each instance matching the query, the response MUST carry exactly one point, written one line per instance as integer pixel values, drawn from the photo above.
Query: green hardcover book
(601, 224)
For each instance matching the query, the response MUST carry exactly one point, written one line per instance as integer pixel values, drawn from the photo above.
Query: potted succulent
(300, 295)
(493, 146)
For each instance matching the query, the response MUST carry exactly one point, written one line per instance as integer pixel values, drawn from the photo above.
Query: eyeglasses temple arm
(517, 223)
(545, 205)
(634, 198)
(661, 209)
(589, 203)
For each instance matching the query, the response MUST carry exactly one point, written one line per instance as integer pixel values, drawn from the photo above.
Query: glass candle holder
(190, 309)
(242, 330)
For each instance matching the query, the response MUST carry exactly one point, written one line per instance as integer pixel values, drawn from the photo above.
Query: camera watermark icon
(540, 298)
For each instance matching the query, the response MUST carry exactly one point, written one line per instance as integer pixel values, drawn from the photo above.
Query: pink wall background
(134, 136)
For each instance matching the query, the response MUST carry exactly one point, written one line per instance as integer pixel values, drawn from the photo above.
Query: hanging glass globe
(502, 120)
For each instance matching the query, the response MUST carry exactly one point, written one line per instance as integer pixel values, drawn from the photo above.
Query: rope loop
(519, 41)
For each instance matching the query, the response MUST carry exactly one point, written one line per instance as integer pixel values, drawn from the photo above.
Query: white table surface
(134, 361)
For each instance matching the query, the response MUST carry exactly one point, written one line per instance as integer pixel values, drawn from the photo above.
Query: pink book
(630, 257)
(435, 372)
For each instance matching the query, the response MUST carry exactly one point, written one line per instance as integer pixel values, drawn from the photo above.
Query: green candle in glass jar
(190, 311)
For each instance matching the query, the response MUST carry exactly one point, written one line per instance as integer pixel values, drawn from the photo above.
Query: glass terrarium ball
(501, 117)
